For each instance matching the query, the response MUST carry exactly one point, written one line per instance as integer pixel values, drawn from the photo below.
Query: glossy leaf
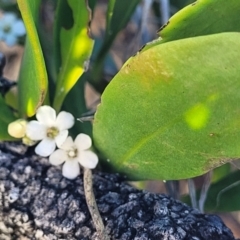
(33, 77)
(6, 117)
(75, 47)
(202, 17)
(172, 112)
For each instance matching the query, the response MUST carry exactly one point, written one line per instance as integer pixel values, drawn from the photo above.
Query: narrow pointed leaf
(77, 95)
(6, 117)
(223, 196)
(33, 77)
(172, 112)
(118, 15)
(75, 47)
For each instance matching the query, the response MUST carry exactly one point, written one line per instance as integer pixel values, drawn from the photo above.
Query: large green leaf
(172, 112)
(75, 46)
(6, 117)
(33, 77)
(202, 17)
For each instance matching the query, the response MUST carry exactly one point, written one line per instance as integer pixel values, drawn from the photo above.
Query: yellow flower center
(72, 153)
(52, 132)
(27, 141)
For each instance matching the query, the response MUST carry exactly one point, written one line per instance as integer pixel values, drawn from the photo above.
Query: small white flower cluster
(52, 130)
(11, 28)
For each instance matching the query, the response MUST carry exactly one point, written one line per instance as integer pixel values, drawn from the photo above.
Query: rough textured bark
(36, 202)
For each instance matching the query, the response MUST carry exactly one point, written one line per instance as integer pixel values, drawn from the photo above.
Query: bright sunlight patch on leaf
(197, 117)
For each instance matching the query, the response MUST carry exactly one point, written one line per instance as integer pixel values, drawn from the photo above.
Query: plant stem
(204, 191)
(92, 205)
(192, 193)
(165, 10)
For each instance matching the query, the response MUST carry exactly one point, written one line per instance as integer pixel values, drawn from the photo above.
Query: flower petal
(64, 120)
(2, 34)
(83, 141)
(35, 130)
(71, 169)
(18, 28)
(68, 144)
(88, 159)
(58, 157)
(10, 39)
(61, 137)
(46, 115)
(45, 147)
(9, 18)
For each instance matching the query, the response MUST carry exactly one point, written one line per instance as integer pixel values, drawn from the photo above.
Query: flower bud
(17, 128)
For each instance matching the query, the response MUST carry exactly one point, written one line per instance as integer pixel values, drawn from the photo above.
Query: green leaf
(180, 3)
(33, 77)
(92, 4)
(221, 193)
(111, 5)
(220, 172)
(172, 112)
(224, 195)
(77, 96)
(6, 117)
(118, 15)
(75, 47)
(202, 17)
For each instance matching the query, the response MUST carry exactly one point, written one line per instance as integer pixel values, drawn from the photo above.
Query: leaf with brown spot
(164, 104)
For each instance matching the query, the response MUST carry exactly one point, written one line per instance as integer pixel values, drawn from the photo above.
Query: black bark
(36, 202)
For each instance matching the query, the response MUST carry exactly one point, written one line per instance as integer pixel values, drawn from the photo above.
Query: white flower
(11, 28)
(73, 154)
(49, 128)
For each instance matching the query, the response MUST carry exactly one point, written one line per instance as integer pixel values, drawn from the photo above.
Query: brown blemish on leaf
(132, 166)
(42, 97)
(214, 135)
(141, 48)
(89, 20)
(213, 163)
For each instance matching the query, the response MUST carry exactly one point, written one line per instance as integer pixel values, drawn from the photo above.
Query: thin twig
(172, 188)
(92, 205)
